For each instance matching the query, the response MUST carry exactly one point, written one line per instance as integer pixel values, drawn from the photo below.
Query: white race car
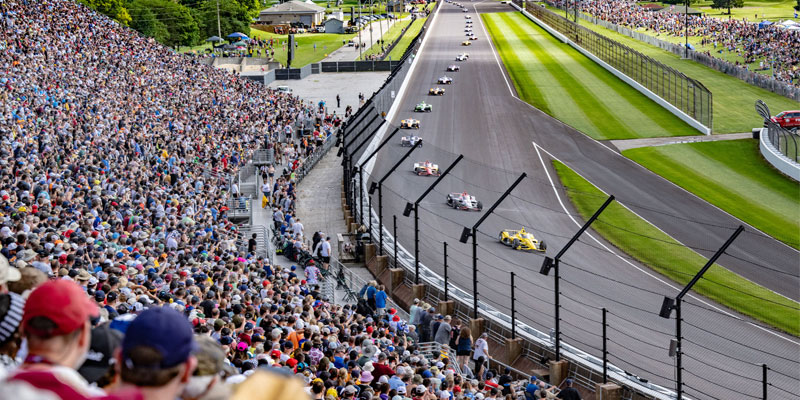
(462, 57)
(409, 141)
(454, 68)
(446, 80)
(426, 168)
(464, 201)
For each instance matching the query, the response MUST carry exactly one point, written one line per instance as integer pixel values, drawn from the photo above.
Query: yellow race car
(521, 240)
(466, 43)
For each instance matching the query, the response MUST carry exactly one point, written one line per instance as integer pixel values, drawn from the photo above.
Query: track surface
(480, 118)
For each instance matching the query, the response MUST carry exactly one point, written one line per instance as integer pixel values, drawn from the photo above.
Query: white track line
(658, 279)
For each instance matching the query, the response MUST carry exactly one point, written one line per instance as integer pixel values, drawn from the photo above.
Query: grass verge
(731, 175)
(733, 98)
(665, 255)
(402, 45)
(388, 38)
(557, 79)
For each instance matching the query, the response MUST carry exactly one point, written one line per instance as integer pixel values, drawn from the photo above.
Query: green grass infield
(662, 253)
(731, 175)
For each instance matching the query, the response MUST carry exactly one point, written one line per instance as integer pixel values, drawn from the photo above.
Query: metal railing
(240, 208)
(683, 92)
(263, 157)
(429, 350)
(784, 141)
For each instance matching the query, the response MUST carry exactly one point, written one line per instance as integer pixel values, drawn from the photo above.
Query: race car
(467, 29)
(464, 10)
(437, 91)
(426, 169)
(462, 57)
(409, 141)
(423, 107)
(467, 17)
(409, 123)
(446, 80)
(473, 37)
(469, 33)
(466, 43)
(454, 68)
(464, 201)
(521, 240)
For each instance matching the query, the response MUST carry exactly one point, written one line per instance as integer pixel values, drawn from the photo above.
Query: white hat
(8, 273)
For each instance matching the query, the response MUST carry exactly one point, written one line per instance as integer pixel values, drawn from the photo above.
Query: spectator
(569, 392)
(156, 356)
(99, 368)
(55, 323)
(443, 331)
(380, 300)
(464, 347)
(7, 274)
(11, 306)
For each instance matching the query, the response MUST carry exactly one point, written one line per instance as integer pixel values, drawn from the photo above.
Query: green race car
(423, 107)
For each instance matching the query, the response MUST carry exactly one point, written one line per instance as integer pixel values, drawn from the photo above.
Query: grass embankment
(560, 81)
(306, 53)
(733, 176)
(666, 256)
(388, 38)
(733, 99)
(412, 32)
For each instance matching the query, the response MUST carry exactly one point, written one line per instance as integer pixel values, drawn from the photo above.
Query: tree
(233, 17)
(170, 23)
(722, 4)
(112, 8)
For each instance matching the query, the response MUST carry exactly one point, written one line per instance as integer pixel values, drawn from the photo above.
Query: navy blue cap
(163, 329)
(99, 295)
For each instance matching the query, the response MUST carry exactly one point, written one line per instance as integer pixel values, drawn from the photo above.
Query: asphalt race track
(481, 119)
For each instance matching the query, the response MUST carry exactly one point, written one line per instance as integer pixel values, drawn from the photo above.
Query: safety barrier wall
(776, 146)
(685, 97)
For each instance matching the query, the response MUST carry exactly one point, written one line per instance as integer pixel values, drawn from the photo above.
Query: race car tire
(480, 206)
(543, 245)
(515, 244)
(500, 236)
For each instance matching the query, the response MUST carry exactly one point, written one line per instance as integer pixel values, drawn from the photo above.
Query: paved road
(346, 53)
(480, 118)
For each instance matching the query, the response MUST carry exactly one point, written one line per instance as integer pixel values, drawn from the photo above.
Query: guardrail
(240, 208)
(263, 157)
(429, 350)
(778, 145)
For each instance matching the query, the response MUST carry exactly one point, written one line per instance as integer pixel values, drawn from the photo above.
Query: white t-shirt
(481, 347)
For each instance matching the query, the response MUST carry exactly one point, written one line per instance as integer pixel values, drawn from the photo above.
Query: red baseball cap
(63, 302)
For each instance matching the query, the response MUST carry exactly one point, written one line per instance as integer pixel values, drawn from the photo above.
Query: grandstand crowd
(768, 45)
(121, 276)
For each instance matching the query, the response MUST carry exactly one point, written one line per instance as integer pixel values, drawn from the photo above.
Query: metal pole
(445, 271)
(605, 349)
(219, 26)
(380, 219)
(678, 351)
(361, 195)
(710, 262)
(686, 29)
(474, 273)
(394, 232)
(764, 383)
(557, 314)
(513, 310)
(416, 214)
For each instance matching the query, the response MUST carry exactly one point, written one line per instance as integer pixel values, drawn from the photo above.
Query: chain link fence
(683, 92)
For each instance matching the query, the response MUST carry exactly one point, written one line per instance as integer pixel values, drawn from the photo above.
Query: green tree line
(180, 22)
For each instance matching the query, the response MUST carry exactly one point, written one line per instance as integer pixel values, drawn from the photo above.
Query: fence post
(605, 349)
(764, 383)
(445, 271)
(513, 310)
(394, 233)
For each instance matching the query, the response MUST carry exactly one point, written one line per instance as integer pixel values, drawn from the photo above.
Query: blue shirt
(371, 292)
(380, 299)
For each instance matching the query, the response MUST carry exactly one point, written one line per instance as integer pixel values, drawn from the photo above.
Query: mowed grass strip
(306, 53)
(388, 37)
(733, 176)
(574, 89)
(733, 98)
(659, 251)
(402, 45)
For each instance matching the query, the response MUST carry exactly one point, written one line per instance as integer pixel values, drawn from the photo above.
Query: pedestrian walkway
(663, 141)
(325, 87)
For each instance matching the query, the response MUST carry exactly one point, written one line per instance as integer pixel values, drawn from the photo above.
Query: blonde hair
(264, 385)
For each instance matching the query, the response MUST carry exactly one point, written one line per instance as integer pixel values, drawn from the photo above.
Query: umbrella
(214, 39)
(238, 35)
(240, 44)
(763, 24)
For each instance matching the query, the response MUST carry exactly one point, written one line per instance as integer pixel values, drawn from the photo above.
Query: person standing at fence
(325, 253)
(443, 332)
(481, 348)
(297, 227)
(251, 244)
(338, 101)
(380, 300)
(424, 325)
(464, 346)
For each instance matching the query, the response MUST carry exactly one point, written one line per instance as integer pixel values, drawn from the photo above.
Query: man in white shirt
(297, 228)
(325, 253)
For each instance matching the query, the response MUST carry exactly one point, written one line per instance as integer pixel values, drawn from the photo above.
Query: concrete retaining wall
(778, 160)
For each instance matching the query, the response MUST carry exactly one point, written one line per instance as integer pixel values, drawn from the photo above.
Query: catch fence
(679, 90)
